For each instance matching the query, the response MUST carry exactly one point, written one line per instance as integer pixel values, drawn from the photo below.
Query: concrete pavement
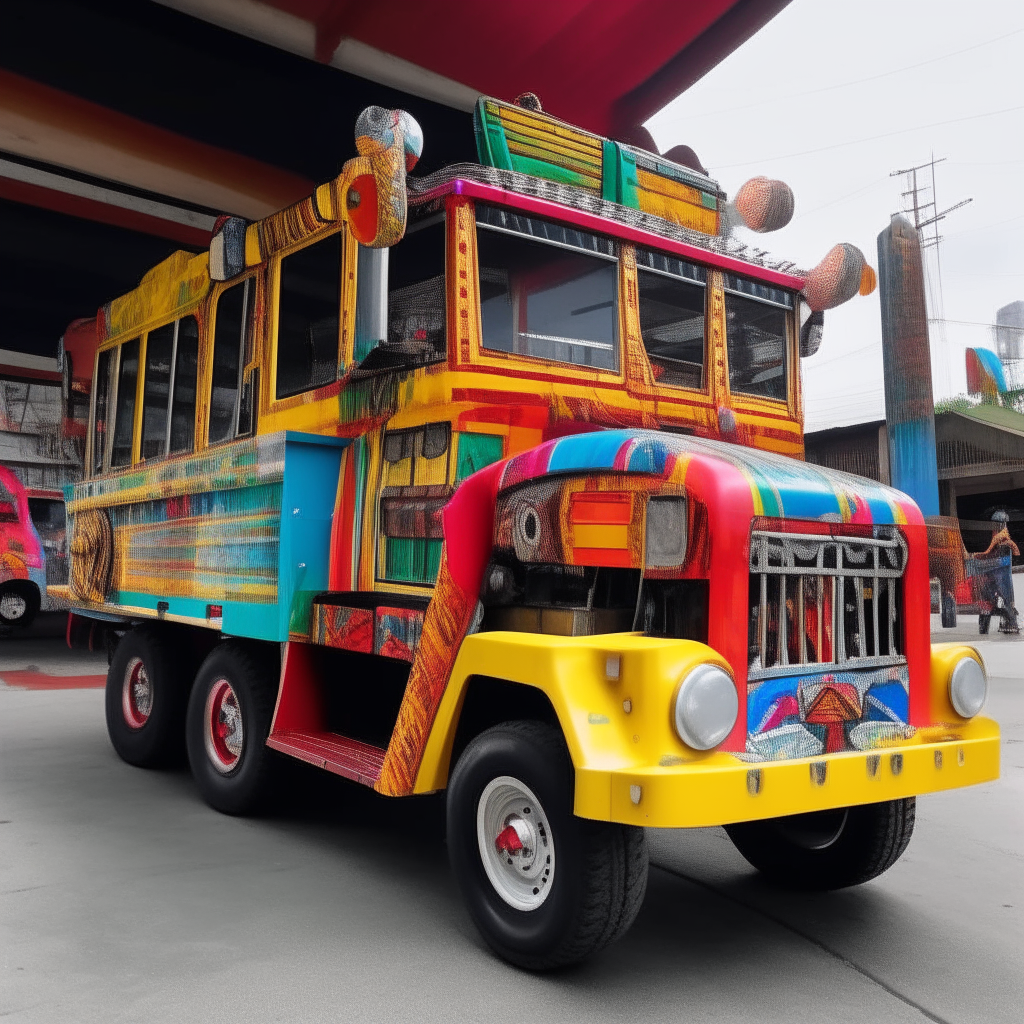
(124, 898)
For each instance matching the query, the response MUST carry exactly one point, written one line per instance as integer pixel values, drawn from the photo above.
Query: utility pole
(920, 203)
(926, 214)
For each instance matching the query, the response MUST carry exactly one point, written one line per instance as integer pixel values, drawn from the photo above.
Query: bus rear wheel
(146, 694)
(544, 887)
(228, 722)
(828, 849)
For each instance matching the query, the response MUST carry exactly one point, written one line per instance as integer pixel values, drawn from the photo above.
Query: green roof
(996, 416)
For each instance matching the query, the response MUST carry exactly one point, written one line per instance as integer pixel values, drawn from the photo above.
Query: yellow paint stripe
(667, 187)
(587, 153)
(592, 535)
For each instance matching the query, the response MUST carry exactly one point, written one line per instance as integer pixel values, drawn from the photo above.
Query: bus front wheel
(544, 887)
(827, 849)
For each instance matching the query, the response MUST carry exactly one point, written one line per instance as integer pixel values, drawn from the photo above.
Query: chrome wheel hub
(516, 845)
(223, 727)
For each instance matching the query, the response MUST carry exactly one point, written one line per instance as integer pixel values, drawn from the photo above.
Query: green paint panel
(550, 172)
(477, 451)
(412, 559)
(609, 171)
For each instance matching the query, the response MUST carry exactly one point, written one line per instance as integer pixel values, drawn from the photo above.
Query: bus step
(357, 761)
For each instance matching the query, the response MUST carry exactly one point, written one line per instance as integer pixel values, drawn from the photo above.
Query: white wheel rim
(222, 731)
(12, 607)
(516, 843)
(136, 694)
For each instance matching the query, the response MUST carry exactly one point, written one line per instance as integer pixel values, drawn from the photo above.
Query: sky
(831, 97)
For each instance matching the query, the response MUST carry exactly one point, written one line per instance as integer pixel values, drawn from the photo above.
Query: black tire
(983, 623)
(600, 869)
(241, 785)
(19, 604)
(948, 611)
(154, 737)
(828, 849)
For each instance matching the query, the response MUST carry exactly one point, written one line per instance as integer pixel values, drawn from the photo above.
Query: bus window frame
(680, 390)
(268, 380)
(114, 374)
(112, 402)
(249, 353)
(537, 367)
(166, 453)
(742, 400)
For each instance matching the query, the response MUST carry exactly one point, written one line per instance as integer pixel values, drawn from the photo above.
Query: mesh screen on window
(309, 302)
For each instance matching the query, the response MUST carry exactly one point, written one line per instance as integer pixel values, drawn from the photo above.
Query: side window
(156, 390)
(757, 326)
(407, 329)
(183, 407)
(233, 308)
(124, 414)
(547, 291)
(99, 430)
(309, 302)
(672, 298)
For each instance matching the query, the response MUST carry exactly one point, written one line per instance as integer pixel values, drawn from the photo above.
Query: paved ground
(124, 898)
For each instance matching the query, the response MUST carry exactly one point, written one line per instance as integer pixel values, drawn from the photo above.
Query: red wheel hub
(136, 694)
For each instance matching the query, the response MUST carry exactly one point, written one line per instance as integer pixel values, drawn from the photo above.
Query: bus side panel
(226, 539)
(312, 468)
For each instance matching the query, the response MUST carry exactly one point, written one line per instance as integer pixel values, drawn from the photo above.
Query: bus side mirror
(811, 329)
(389, 144)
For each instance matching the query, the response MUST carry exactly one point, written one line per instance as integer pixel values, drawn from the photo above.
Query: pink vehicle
(22, 563)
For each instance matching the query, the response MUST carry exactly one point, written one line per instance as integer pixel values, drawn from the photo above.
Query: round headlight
(968, 688)
(706, 707)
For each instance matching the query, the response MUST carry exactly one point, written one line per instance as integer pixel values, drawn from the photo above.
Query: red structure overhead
(602, 64)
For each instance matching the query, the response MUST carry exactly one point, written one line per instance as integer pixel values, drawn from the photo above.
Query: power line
(973, 323)
(871, 138)
(775, 100)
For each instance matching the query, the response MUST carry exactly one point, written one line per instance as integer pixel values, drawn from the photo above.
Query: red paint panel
(486, 395)
(299, 701)
(619, 558)
(604, 508)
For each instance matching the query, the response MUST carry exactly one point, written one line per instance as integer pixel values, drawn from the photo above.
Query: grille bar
(824, 601)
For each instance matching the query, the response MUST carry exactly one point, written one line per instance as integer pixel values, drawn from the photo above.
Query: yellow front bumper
(721, 789)
(612, 695)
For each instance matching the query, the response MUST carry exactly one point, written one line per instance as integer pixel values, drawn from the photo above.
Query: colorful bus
(491, 482)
